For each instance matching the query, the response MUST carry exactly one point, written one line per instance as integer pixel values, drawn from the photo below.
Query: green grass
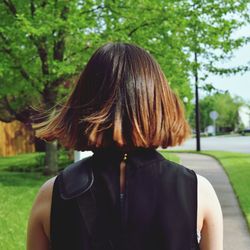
(17, 193)
(170, 156)
(20, 180)
(22, 161)
(31, 162)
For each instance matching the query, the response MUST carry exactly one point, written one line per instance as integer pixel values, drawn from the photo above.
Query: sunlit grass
(30, 162)
(21, 161)
(17, 192)
(170, 156)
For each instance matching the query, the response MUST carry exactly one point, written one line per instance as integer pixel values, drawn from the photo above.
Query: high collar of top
(137, 156)
(78, 177)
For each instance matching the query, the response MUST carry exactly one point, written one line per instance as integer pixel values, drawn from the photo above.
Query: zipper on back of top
(123, 196)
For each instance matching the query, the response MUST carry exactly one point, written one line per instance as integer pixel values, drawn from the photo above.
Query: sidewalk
(236, 235)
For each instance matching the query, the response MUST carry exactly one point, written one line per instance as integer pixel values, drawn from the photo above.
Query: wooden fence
(15, 138)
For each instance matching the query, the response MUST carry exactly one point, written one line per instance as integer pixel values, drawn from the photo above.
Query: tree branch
(32, 8)
(99, 7)
(41, 47)
(11, 6)
(22, 115)
(79, 51)
(148, 23)
(17, 63)
(137, 28)
(43, 3)
(43, 55)
(8, 107)
(59, 45)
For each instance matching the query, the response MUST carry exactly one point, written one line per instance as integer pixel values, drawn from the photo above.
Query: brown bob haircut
(122, 99)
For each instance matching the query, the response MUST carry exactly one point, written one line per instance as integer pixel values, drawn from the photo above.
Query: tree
(35, 61)
(154, 26)
(45, 44)
(209, 29)
(226, 106)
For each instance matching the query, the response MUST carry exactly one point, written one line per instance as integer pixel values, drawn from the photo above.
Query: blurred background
(202, 46)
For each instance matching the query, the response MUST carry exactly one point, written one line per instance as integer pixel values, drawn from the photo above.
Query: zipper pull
(125, 157)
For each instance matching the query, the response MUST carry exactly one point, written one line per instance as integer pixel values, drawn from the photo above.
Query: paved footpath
(236, 234)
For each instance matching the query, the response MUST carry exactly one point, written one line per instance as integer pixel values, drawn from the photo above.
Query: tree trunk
(51, 159)
(70, 153)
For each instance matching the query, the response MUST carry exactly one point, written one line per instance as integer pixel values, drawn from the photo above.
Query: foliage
(208, 35)
(45, 44)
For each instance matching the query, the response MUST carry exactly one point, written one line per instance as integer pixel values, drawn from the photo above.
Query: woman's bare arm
(39, 219)
(212, 230)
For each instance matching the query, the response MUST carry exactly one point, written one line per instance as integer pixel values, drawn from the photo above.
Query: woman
(126, 196)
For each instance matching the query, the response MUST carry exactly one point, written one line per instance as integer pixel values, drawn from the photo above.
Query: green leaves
(44, 44)
(226, 106)
(210, 25)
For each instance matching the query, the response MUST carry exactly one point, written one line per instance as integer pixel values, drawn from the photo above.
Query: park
(45, 45)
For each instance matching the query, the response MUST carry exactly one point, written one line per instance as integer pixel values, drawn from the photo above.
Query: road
(225, 143)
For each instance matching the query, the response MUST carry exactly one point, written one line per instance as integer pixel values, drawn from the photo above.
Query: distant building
(210, 130)
(78, 155)
(244, 115)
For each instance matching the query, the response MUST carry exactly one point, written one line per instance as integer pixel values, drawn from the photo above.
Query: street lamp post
(197, 108)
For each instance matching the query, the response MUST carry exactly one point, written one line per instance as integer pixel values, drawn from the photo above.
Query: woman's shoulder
(209, 197)
(40, 212)
(176, 169)
(204, 183)
(210, 218)
(47, 187)
(73, 178)
(44, 194)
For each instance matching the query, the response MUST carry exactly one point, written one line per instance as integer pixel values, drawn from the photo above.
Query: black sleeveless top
(158, 210)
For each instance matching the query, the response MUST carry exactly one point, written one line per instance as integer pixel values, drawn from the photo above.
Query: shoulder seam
(76, 179)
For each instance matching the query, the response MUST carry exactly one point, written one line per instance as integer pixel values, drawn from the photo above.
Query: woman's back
(68, 231)
(159, 210)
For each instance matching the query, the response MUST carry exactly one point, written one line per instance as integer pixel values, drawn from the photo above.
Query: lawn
(20, 179)
(30, 162)
(17, 192)
(170, 156)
